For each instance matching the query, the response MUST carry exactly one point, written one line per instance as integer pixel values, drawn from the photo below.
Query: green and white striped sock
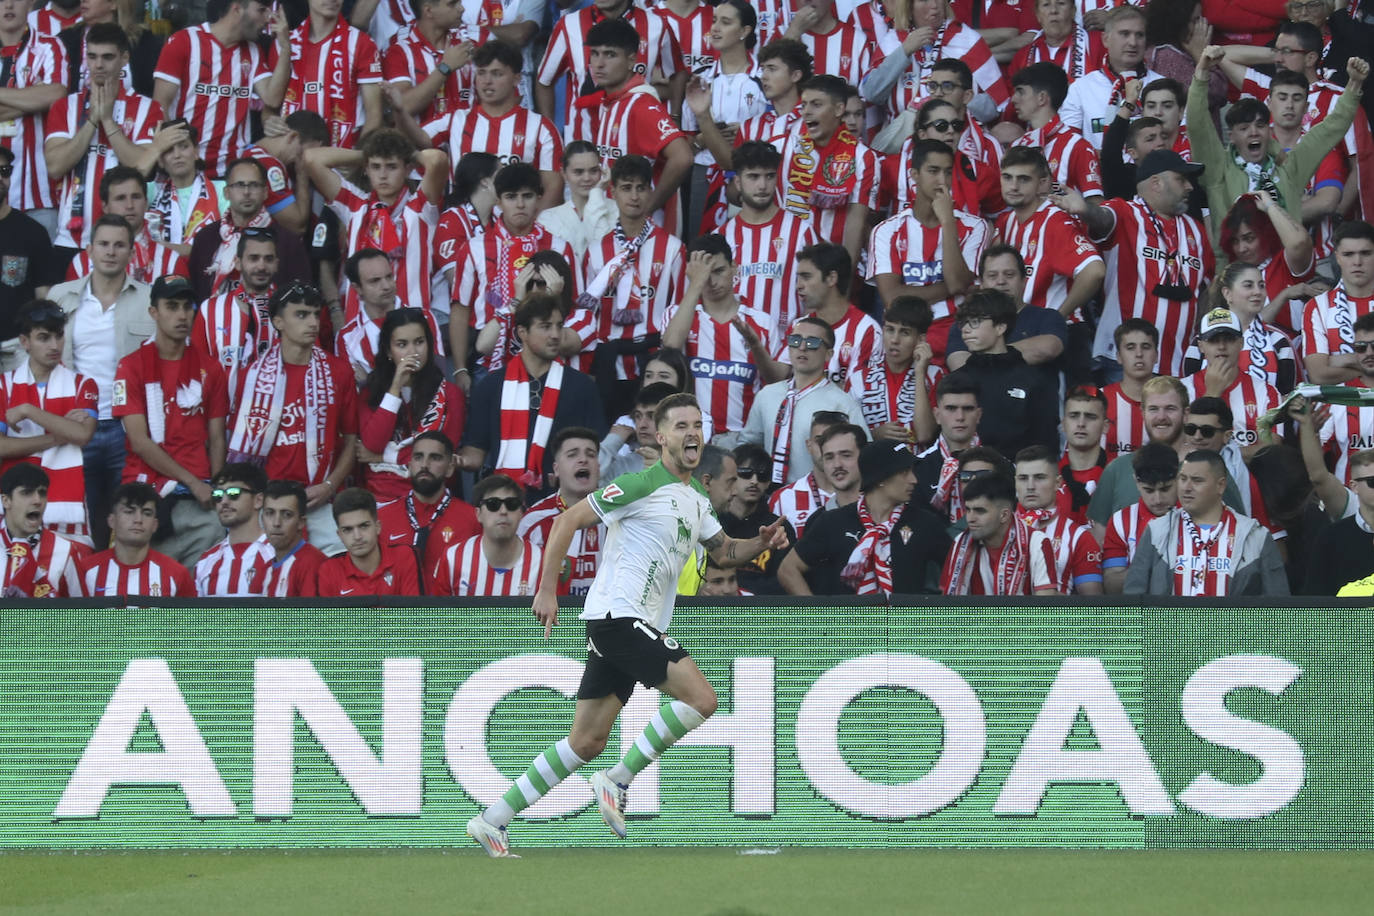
(671, 722)
(546, 771)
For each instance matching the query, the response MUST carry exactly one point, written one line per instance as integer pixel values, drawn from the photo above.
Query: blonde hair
(900, 11)
(1164, 384)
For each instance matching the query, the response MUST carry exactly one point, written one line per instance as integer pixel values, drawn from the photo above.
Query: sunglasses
(1206, 431)
(45, 314)
(217, 496)
(797, 341)
(750, 474)
(966, 476)
(260, 232)
(496, 503)
(301, 292)
(1367, 481)
(6, 171)
(942, 125)
(1362, 346)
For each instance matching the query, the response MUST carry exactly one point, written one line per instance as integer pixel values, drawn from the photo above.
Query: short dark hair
(794, 55)
(1213, 407)
(1044, 77)
(536, 307)
(248, 161)
(386, 143)
(827, 332)
(672, 402)
(1136, 126)
(303, 293)
(23, 476)
(437, 437)
(613, 33)
(1165, 84)
(135, 494)
(1001, 250)
(54, 320)
(287, 489)
(265, 234)
(110, 221)
(1037, 453)
(498, 51)
(958, 68)
(651, 395)
(1135, 326)
(1155, 463)
(517, 177)
(1352, 229)
(1307, 35)
(1247, 111)
(921, 150)
(309, 126)
(1211, 459)
(354, 499)
(997, 487)
(712, 461)
(108, 33)
(472, 168)
(841, 429)
(753, 455)
(987, 455)
(826, 418)
(352, 267)
(118, 175)
(911, 311)
(494, 483)
(8, 154)
(1365, 322)
(830, 258)
(992, 304)
(571, 432)
(832, 86)
(956, 384)
(755, 154)
(1085, 393)
(632, 168)
(712, 244)
(245, 472)
(1289, 78)
(1032, 156)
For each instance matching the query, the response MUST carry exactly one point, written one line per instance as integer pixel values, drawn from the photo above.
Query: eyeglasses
(1367, 481)
(942, 125)
(1282, 51)
(1362, 346)
(966, 476)
(1298, 6)
(796, 341)
(246, 186)
(217, 496)
(750, 474)
(1204, 430)
(496, 503)
(6, 171)
(940, 85)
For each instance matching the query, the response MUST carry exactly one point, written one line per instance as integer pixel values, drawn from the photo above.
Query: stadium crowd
(982, 298)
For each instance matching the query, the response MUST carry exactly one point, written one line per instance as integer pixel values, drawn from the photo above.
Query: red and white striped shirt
(1348, 430)
(1077, 556)
(579, 571)
(1143, 250)
(296, 574)
(234, 570)
(850, 167)
(1247, 398)
(1039, 561)
(722, 365)
(1124, 530)
(1055, 249)
(798, 501)
(651, 284)
(47, 21)
(234, 330)
(858, 346)
(635, 123)
(101, 575)
(1076, 55)
(1073, 160)
(488, 263)
(327, 77)
(566, 54)
(844, 51)
(43, 566)
(138, 117)
(903, 245)
(1203, 565)
(357, 341)
(215, 89)
(40, 60)
(953, 39)
(463, 570)
(766, 264)
(149, 260)
(769, 126)
(413, 219)
(693, 35)
(63, 392)
(1125, 429)
(1328, 323)
(409, 61)
(519, 135)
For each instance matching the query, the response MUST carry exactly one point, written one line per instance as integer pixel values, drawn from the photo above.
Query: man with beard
(233, 327)
(576, 473)
(428, 519)
(654, 520)
(236, 566)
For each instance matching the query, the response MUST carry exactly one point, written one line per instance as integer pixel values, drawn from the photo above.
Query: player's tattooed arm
(728, 552)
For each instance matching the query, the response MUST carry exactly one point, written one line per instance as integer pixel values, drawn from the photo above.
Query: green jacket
(1224, 181)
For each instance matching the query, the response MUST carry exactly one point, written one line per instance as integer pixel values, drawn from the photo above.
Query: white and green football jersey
(653, 523)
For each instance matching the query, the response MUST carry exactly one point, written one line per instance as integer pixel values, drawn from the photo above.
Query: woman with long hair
(1258, 231)
(1266, 352)
(939, 120)
(668, 366)
(181, 196)
(404, 395)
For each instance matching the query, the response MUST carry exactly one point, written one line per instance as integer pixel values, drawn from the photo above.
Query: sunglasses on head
(1362, 346)
(223, 493)
(811, 343)
(301, 292)
(942, 125)
(966, 476)
(496, 503)
(260, 232)
(45, 314)
(1205, 430)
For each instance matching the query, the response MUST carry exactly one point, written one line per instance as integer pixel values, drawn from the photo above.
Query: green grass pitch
(721, 882)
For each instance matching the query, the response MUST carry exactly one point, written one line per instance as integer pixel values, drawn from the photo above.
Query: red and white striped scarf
(616, 278)
(948, 496)
(1013, 566)
(165, 212)
(1119, 80)
(260, 412)
(222, 265)
(1198, 570)
(432, 420)
(522, 452)
(782, 425)
(66, 517)
(869, 568)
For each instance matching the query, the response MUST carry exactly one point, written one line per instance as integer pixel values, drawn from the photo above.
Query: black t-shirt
(919, 545)
(759, 575)
(26, 262)
(1340, 554)
(579, 404)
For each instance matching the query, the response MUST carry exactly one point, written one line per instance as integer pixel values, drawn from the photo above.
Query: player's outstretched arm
(729, 552)
(580, 516)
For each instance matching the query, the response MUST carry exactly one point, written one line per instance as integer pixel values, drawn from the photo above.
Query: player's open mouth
(691, 449)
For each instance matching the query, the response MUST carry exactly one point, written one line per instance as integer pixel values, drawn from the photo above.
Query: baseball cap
(1165, 160)
(1218, 321)
(173, 286)
(881, 460)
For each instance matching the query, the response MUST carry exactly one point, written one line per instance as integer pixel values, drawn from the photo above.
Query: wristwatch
(443, 68)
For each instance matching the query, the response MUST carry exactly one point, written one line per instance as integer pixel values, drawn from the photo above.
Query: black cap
(173, 286)
(880, 461)
(1165, 160)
